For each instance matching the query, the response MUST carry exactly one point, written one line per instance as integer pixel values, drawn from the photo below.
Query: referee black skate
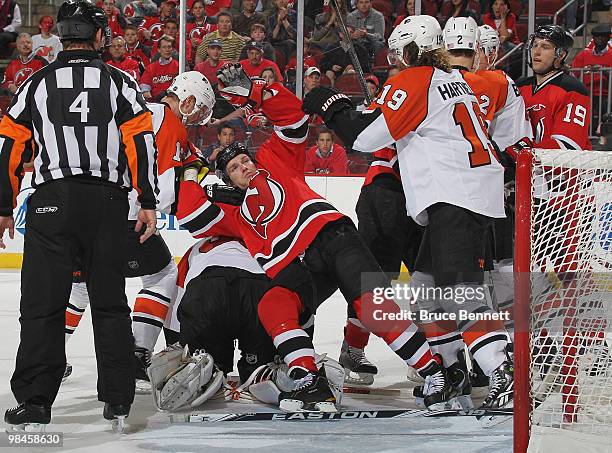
(88, 131)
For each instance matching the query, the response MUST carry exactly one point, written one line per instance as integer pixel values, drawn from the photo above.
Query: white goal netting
(571, 292)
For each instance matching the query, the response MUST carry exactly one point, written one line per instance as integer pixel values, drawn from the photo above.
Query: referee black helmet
(80, 21)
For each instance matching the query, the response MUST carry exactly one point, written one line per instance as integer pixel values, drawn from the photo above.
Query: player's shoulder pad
(570, 84)
(525, 81)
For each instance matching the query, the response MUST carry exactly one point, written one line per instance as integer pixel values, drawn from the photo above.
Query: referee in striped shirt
(87, 128)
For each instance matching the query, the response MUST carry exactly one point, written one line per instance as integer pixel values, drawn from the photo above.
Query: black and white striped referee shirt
(78, 116)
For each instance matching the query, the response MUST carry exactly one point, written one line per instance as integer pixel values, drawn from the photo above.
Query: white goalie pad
(335, 375)
(179, 379)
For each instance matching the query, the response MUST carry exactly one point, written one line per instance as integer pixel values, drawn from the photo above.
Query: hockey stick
(342, 415)
(347, 45)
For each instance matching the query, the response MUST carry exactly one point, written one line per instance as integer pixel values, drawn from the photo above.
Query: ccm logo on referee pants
(46, 210)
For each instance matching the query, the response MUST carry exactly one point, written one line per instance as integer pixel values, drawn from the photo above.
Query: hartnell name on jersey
(454, 89)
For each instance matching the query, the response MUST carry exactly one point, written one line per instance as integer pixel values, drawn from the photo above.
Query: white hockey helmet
(461, 33)
(489, 42)
(423, 30)
(193, 83)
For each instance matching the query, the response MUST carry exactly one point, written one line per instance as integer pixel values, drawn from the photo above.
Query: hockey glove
(325, 102)
(238, 88)
(218, 193)
(195, 168)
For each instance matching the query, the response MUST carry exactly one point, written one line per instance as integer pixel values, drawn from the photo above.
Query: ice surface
(78, 414)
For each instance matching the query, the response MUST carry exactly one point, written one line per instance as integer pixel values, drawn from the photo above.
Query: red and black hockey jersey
(559, 110)
(384, 163)
(281, 214)
(18, 71)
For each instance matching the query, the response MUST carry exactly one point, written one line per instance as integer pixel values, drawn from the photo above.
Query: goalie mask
(423, 30)
(193, 83)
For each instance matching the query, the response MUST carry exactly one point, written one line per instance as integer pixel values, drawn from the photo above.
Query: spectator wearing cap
(592, 60)
(10, 21)
(243, 21)
(373, 85)
(171, 31)
(326, 157)
(255, 62)
(232, 42)
(282, 28)
(213, 62)
(258, 33)
(368, 25)
(312, 79)
(46, 44)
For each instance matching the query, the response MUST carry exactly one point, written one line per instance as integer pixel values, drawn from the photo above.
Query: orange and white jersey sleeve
(443, 148)
(510, 122)
(171, 139)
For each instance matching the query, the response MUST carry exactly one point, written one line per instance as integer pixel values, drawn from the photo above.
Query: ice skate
(310, 394)
(437, 390)
(413, 376)
(143, 360)
(27, 417)
(67, 372)
(116, 413)
(459, 378)
(358, 369)
(501, 391)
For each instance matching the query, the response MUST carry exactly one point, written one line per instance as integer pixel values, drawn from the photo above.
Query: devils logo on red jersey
(199, 32)
(22, 75)
(263, 201)
(156, 31)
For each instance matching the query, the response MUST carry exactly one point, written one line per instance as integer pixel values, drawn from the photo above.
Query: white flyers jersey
(171, 139)
(510, 121)
(443, 148)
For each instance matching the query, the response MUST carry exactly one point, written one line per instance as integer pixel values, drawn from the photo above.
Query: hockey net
(564, 295)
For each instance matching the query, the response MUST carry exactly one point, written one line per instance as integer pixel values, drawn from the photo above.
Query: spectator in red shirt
(200, 25)
(159, 75)
(171, 31)
(594, 59)
(136, 50)
(213, 62)
(152, 28)
(22, 67)
(116, 21)
(255, 63)
(502, 19)
(326, 157)
(119, 59)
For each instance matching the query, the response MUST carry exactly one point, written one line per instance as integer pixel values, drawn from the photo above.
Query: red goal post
(563, 301)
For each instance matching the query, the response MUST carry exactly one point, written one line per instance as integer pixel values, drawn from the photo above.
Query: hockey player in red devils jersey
(280, 220)
(557, 103)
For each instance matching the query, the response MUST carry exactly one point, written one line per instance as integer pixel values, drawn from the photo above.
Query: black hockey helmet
(561, 38)
(80, 21)
(225, 155)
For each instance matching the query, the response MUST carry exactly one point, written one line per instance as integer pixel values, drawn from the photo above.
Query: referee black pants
(67, 219)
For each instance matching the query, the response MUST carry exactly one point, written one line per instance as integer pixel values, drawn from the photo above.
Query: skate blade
(118, 424)
(26, 428)
(354, 378)
(143, 387)
(413, 376)
(292, 406)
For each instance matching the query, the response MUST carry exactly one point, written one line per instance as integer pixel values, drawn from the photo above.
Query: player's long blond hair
(438, 58)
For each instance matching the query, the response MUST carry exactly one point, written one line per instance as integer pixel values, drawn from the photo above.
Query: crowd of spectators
(262, 36)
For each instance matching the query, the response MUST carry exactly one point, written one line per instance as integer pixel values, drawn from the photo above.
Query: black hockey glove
(218, 193)
(326, 102)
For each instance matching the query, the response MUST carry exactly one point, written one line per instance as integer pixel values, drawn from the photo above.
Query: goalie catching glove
(239, 89)
(326, 102)
(179, 379)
